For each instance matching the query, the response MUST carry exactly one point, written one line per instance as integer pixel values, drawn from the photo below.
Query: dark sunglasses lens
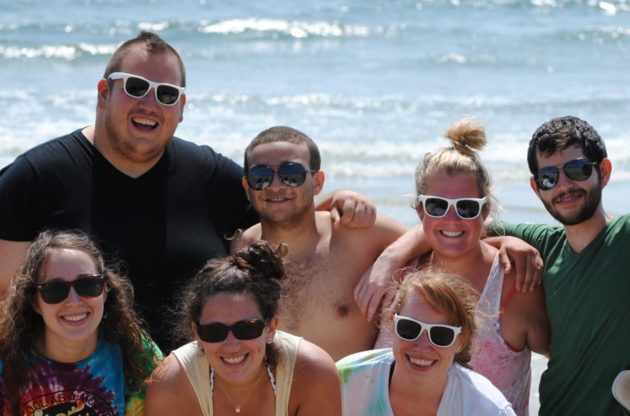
(167, 95)
(245, 330)
(215, 332)
(436, 207)
(442, 336)
(547, 178)
(89, 287)
(408, 330)
(578, 170)
(54, 292)
(468, 208)
(136, 87)
(292, 174)
(260, 177)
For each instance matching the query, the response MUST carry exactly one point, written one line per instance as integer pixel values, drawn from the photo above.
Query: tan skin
(315, 389)
(323, 263)
(523, 319)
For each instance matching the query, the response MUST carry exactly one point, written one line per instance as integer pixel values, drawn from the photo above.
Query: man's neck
(580, 235)
(129, 168)
(301, 237)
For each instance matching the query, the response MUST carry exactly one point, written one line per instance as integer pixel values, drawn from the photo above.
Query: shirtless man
(324, 262)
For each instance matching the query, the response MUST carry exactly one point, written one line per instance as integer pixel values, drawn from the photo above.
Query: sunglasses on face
(466, 208)
(440, 335)
(86, 286)
(138, 87)
(576, 170)
(243, 330)
(291, 174)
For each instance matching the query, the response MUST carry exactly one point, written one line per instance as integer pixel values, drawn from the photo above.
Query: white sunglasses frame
(152, 85)
(426, 327)
(452, 203)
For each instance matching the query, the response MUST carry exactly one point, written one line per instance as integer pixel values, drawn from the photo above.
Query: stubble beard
(592, 199)
(123, 147)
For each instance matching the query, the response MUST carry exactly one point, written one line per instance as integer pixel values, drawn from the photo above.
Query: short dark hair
(255, 270)
(289, 135)
(561, 133)
(153, 44)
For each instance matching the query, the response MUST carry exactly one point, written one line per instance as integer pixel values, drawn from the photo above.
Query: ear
(193, 326)
(273, 326)
(318, 181)
(246, 188)
(605, 168)
(182, 104)
(532, 184)
(103, 93)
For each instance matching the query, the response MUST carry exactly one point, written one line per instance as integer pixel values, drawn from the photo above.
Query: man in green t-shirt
(587, 269)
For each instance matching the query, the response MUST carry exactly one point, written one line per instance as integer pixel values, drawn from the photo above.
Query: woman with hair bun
(237, 361)
(453, 199)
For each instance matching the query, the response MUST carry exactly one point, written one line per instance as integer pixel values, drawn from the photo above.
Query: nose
(423, 340)
(276, 182)
(563, 180)
(231, 339)
(451, 213)
(73, 298)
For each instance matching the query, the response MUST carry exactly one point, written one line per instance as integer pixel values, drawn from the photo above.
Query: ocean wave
(69, 52)
(293, 29)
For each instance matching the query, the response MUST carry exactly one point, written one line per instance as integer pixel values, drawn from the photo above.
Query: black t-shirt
(163, 225)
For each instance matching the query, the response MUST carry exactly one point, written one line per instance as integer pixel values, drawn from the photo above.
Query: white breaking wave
(65, 52)
(295, 29)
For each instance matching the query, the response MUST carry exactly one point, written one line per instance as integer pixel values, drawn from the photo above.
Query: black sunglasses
(242, 330)
(576, 170)
(291, 174)
(138, 87)
(440, 335)
(466, 208)
(86, 286)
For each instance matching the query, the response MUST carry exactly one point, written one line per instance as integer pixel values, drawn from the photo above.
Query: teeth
(277, 199)
(419, 362)
(145, 122)
(452, 233)
(75, 318)
(234, 360)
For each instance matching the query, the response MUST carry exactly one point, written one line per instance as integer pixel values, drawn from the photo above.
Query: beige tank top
(197, 369)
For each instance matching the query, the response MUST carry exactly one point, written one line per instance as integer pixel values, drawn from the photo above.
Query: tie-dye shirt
(93, 386)
(365, 388)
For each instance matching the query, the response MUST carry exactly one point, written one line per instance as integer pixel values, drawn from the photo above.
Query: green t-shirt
(588, 303)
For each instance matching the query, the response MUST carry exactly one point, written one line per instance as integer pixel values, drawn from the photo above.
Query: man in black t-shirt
(158, 203)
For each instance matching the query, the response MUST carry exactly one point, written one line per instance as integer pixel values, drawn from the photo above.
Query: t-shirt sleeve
(537, 235)
(18, 210)
(149, 357)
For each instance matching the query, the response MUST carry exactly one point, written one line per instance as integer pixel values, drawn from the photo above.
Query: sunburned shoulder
(246, 237)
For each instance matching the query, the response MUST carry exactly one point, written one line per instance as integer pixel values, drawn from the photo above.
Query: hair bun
(466, 135)
(263, 259)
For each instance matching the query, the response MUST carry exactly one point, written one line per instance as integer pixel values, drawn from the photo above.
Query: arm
(12, 254)
(527, 262)
(316, 389)
(348, 208)
(169, 392)
(538, 332)
(370, 290)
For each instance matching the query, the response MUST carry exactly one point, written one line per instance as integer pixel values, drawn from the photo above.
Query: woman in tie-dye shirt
(70, 342)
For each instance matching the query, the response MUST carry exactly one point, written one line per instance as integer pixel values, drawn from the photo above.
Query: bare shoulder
(169, 391)
(384, 231)
(316, 389)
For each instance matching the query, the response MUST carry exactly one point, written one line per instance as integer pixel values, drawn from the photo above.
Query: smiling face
(571, 202)
(134, 131)
(72, 323)
(450, 235)
(279, 204)
(420, 362)
(237, 362)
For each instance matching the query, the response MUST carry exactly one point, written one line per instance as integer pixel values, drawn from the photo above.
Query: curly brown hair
(255, 270)
(21, 326)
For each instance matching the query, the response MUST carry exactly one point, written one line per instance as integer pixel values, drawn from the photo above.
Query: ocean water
(375, 83)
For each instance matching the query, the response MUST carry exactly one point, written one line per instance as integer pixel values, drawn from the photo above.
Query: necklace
(237, 407)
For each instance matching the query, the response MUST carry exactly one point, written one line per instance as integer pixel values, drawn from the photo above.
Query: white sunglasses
(138, 87)
(466, 208)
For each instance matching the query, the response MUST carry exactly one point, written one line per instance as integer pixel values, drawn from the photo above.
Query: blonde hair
(467, 136)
